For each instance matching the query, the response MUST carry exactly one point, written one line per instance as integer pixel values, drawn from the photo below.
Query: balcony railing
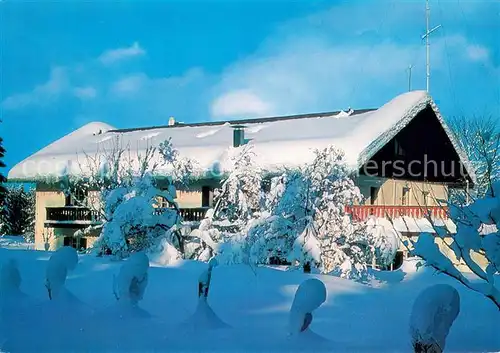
(71, 214)
(193, 214)
(362, 212)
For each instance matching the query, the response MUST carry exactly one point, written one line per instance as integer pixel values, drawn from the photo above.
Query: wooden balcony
(70, 216)
(362, 212)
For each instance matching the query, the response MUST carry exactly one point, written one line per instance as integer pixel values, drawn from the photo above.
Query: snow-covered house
(403, 155)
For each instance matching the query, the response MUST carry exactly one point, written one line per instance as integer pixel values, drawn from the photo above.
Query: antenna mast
(428, 31)
(409, 77)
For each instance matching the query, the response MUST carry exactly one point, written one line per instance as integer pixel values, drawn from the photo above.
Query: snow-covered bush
(385, 241)
(274, 233)
(307, 220)
(131, 282)
(60, 263)
(10, 278)
(477, 233)
(307, 248)
(433, 313)
(135, 220)
(308, 297)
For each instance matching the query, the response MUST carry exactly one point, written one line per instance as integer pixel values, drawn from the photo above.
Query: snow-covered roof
(278, 142)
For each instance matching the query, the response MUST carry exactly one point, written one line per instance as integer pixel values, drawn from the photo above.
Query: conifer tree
(3, 179)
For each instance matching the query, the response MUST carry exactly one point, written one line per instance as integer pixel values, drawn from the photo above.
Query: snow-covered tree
(18, 213)
(343, 242)
(274, 232)
(136, 207)
(135, 219)
(432, 316)
(60, 263)
(240, 193)
(236, 202)
(477, 233)
(306, 220)
(479, 137)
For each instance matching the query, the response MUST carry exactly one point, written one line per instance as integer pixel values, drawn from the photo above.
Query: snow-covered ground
(15, 242)
(254, 303)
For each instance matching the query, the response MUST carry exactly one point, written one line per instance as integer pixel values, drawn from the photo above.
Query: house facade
(403, 157)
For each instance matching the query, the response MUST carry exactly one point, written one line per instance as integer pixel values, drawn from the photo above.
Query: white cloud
(312, 75)
(238, 104)
(129, 84)
(115, 55)
(311, 72)
(83, 93)
(41, 94)
(478, 53)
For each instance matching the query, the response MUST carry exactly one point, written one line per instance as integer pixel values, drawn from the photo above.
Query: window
(406, 196)
(265, 186)
(373, 195)
(79, 196)
(76, 197)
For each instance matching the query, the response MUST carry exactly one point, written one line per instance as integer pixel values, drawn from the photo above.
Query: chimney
(171, 121)
(238, 135)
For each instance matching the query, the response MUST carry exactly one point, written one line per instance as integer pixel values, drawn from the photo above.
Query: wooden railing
(193, 214)
(362, 212)
(71, 214)
(359, 212)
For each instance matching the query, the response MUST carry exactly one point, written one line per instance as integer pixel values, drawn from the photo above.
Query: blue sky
(131, 63)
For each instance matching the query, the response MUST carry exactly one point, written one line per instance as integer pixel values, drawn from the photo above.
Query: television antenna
(428, 32)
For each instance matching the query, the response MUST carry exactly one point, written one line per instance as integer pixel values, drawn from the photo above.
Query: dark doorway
(206, 196)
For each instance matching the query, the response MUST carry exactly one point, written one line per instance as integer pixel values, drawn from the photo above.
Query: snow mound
(433, 313)
(10, 278)
(133, 278)
(204, 318)
(167, 254)
(60, 263)
(413, 265)
(309, 296)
